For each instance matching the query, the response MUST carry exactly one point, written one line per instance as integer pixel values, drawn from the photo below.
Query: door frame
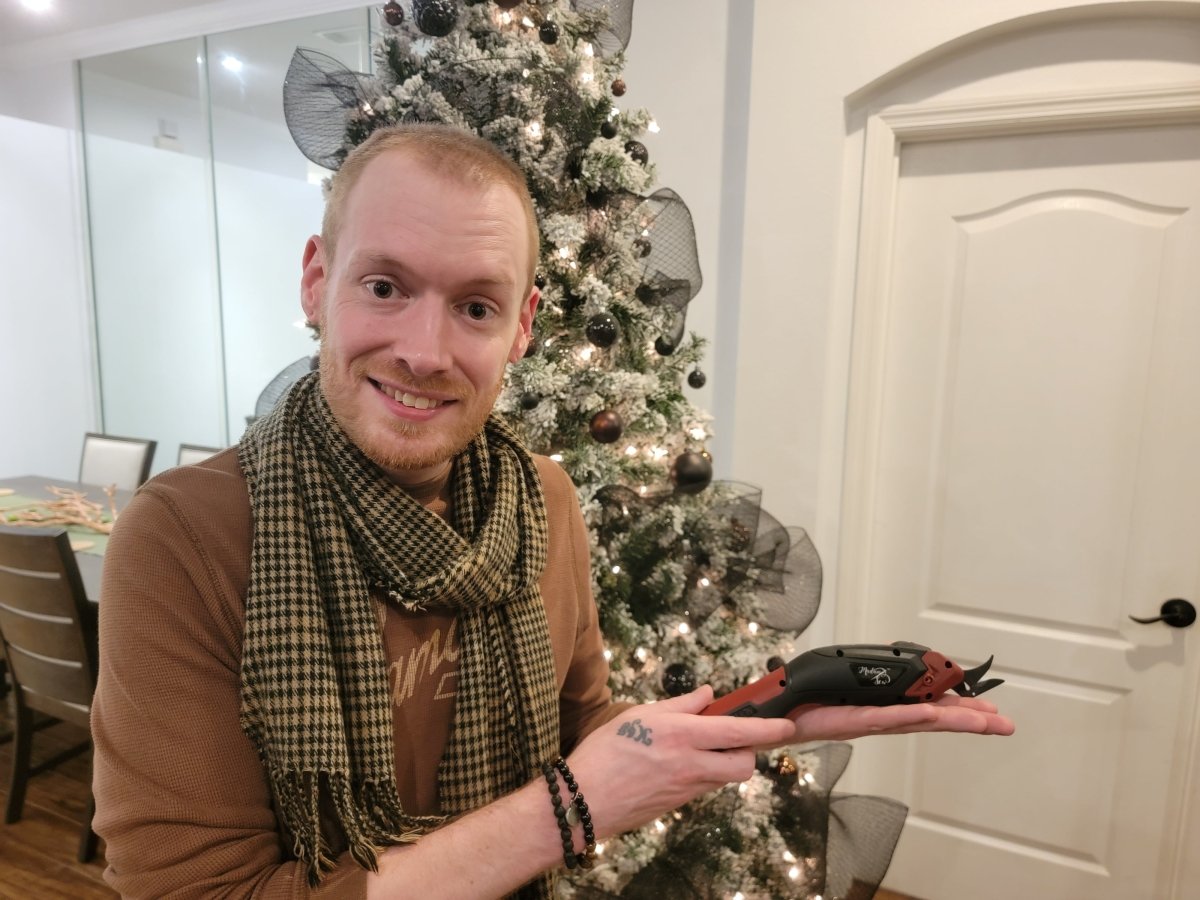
(887, 132)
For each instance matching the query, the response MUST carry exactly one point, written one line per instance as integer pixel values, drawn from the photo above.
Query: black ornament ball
(691, 472)
(602, 330)
(663, 346)
(540, 280)
(393, 13)
(775, 662)
(678, 679)
(696, 379)
(548, 32)
(606, 426)
(642, 247)
(529, 400)
(608, 129)
(508, 4)
(618, 88)
(435, 18)
(637, 151)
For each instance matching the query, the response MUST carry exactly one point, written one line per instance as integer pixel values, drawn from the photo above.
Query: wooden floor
(37, 854)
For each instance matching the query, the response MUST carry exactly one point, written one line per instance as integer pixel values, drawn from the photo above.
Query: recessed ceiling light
(232, 63)
(36, 5)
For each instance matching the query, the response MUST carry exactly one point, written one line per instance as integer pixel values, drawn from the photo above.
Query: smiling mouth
(412, 401)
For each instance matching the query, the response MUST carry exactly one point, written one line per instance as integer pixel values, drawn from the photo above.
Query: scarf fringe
(367, 815)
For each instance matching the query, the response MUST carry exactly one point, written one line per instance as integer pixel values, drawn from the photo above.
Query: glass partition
(199, 207)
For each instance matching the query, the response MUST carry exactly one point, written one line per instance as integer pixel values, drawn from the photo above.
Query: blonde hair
(446, 151)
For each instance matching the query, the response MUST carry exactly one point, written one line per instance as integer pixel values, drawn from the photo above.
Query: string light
(588, 50)
(557, 457)
(659, 452)
(704, 582)
(684, 628)
(524, 73)
(534, 129)
(753, 627)
(743, 789)
(564, 252)
(788, 856)
(794, 872)
(585, 353)
(607, 655)
(641, 654)
(527, 22)
(653, 127)
(599, 849)
(506, 18)
(698, 433)
(659, 826)
(366, 107)
(631, 450)
(616, 570)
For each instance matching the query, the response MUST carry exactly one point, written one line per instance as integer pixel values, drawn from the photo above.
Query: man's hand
(658, 756)
(950, 713)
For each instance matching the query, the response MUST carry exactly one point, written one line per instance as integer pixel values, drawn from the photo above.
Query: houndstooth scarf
(328, 527)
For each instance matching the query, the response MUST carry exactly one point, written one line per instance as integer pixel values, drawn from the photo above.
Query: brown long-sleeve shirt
(181, 798)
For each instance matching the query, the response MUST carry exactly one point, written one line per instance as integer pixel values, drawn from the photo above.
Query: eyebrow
(387, 261)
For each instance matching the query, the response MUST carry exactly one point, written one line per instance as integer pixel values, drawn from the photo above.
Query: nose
(423, 337)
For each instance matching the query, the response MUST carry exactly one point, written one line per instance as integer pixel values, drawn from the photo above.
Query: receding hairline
(444, 151)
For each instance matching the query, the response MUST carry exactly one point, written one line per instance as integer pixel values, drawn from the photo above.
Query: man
(372, 622)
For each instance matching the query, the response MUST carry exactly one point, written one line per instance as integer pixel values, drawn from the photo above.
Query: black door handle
(1177, 613)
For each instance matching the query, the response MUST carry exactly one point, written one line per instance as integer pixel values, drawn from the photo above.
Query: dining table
(26, 492)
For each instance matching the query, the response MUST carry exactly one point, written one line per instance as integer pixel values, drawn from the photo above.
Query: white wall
(812, 62)
(46, 384)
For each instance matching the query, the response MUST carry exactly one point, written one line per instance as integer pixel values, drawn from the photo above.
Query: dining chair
(122, 461)
(49, 632)
(190, 454)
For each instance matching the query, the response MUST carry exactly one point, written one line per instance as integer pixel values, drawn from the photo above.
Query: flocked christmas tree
(693, 581)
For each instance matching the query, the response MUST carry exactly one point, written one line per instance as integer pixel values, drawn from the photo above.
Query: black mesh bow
(320, 95)
(671, 272)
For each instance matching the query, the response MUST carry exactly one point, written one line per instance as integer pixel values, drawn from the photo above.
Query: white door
(1035, 461)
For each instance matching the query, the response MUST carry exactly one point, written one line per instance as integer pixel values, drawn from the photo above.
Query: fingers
(962, 715)
(692, 702)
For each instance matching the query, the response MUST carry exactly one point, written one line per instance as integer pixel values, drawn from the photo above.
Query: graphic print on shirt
(436, 657)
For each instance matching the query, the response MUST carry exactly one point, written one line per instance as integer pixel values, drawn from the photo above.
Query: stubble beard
(393, 444)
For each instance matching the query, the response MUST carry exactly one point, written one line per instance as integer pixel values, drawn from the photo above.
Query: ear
(525, 326)
(312, 281)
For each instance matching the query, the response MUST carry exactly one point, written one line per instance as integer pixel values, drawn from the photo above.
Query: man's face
(419, 311)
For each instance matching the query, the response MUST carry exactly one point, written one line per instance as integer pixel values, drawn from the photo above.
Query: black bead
(393, 13)
(663, 347)
(539, 280)
(696, 378)
(608, 129)
(642, 247)
(548, 32)
(530, 400)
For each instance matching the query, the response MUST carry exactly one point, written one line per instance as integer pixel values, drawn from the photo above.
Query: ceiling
(78, 29)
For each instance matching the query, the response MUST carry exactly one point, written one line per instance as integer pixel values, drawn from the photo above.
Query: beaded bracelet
(567, 816)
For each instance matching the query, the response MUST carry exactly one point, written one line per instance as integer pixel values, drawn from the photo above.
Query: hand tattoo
(636, 731)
